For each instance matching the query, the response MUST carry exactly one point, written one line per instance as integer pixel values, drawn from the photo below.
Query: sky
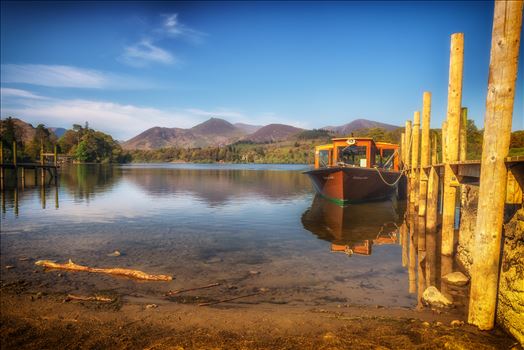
(127, 66)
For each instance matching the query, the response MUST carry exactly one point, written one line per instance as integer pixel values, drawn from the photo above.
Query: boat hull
(345, 185)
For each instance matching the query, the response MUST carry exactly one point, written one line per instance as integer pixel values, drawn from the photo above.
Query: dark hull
(345, 185)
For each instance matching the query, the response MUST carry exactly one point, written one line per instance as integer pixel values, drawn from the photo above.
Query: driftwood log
(136, 274)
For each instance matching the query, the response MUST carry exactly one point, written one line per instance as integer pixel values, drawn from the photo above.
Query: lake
(247, 227)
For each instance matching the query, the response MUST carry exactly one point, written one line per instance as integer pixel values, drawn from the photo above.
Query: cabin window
(353, 155)
(323, 158)
(385, 157)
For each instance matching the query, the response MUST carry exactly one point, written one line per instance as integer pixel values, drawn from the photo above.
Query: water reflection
(354, 229)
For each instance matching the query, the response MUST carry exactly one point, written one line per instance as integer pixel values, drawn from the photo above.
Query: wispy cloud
(66, 76)
(174, 28)
(144, 52)
(123, 121)
(18, 93)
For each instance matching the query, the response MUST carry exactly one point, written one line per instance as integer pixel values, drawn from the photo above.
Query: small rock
(254, 272)
(151, 306)
(438, 323)
(457, 323)
(23, 258)
(425, 324)
(8, 267)
(329, 336)
(456, 279)
(115, 253)
(432, 296)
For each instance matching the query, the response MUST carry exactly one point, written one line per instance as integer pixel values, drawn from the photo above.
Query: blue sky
(125, 67)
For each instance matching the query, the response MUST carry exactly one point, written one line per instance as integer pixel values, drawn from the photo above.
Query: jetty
(458, 208)
(45, 166)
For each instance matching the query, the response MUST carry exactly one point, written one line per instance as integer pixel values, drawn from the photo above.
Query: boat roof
(351, 137)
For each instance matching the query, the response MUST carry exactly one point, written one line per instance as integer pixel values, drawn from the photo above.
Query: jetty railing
(433, 181)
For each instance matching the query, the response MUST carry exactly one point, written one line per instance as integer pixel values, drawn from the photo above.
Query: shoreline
(32, 319)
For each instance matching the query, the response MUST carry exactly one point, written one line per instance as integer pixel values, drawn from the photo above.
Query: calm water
(246, 226)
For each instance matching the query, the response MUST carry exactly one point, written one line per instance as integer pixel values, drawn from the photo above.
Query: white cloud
(18, 93)
(66, 76)
(122, 121)
(172, 27)
(143, 53)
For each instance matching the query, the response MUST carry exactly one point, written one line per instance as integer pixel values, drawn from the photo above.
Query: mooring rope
(402, 172)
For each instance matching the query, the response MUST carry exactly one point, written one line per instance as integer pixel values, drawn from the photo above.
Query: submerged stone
(456, 278)
(433, 297)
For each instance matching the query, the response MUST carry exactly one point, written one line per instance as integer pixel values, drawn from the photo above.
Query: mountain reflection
(218, 186)
(356, 228)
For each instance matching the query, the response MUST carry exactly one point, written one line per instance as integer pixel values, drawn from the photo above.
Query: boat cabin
(360, 152)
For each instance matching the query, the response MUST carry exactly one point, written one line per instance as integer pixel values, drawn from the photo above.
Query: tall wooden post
(14, 154)
(403, 148)
(444, 143)
(434, 159)
(409, 141)
(415, 158)
(431, 227)
(463, 134)
(452, 142)
(405, 243)
(412, 263)
(507, 24)
(424, 153)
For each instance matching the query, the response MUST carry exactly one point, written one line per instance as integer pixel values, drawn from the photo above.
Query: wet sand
(32, 319)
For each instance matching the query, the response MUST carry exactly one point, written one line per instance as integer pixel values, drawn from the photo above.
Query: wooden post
(405, 243)
(452, 143)
(55, 156)
(23, 178)
(415, 172)
(14, 154)
(434, 159)
(424, 153)
(463, 134)
(403, 149)
(444, 143)
(409, 141)
(412, 252)
(431, 227)
(507, 24)
(15, 192)
(1, 153)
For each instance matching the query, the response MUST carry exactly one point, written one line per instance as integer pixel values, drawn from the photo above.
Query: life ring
(351, 142)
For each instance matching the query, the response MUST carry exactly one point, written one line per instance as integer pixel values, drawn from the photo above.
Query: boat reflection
(354, 229)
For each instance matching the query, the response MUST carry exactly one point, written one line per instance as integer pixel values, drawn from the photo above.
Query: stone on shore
(433, 297)
(456, 279)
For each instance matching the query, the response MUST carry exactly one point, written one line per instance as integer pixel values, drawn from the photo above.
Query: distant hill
(359, 124)
(58, 131)
(273, 133)
(212, 132)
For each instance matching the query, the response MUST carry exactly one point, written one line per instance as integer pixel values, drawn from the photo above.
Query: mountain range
(219, 132)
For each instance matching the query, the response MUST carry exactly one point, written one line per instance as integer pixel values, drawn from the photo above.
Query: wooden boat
(354, 170)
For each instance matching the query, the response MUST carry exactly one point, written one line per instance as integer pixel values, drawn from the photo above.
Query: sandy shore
(31, 319)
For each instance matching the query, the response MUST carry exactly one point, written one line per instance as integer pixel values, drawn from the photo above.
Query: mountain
(212, 132)
(273, 133)
(247, 128)
(359, 124)
(58, 131)
(158, 137)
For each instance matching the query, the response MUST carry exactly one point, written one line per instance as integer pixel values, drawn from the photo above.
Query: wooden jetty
(44, 166)
(433, 181)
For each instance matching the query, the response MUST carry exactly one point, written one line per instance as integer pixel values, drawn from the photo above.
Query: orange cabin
(358, 152)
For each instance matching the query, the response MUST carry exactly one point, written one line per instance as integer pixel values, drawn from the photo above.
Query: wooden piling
(424, 153)
(434, 159)
(431, 227)
(405, 244)
(403, 149)
(409, 140)
(412, 263)
(452, 142)
(14, 154)
(507, 25)
(463, 147)
(444, 143)
(415, 145)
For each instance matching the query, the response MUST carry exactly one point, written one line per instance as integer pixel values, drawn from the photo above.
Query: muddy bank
(36, 320)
